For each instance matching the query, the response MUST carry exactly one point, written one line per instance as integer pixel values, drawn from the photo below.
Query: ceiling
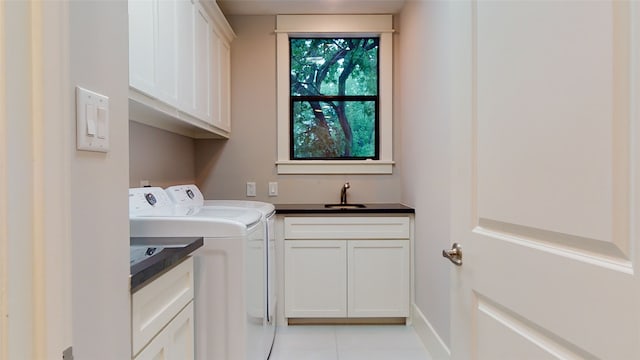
(274, 7)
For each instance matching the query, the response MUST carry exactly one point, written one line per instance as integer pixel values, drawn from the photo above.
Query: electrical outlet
(251, 188)
(273, 188)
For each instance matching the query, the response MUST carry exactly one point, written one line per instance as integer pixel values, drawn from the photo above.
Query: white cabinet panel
(345, 267)
(153, 306)
(185, 33)
(175, 342)
(221, 82)
(142, 45)
(315, 278)
(202, 65)
(224, 86)
(378, 273)
(153, 48)
(195, 62)
(166, 56)
(352, 227)
(216, 43)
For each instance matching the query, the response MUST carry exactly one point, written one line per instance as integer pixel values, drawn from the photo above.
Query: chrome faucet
(343, 193)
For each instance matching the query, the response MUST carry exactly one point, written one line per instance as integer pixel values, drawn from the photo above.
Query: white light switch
(102, 123)
(92, 121)
(273, 188)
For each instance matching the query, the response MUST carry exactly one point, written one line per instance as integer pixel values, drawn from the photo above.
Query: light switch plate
(92, 121)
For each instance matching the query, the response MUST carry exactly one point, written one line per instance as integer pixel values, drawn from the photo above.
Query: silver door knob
(454, 255)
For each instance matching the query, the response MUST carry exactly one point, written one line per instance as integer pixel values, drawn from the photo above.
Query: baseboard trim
(432, 341)
(347, 321)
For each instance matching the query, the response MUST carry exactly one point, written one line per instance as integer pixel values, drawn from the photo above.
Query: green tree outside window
(334, 98)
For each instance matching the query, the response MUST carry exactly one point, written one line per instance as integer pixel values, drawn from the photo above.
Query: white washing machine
(190, 195)
(229, 270)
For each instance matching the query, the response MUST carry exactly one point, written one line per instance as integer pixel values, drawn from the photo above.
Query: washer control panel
(185, 195)
(145, 199)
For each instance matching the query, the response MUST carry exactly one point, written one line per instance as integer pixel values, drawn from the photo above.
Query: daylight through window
(334, 98)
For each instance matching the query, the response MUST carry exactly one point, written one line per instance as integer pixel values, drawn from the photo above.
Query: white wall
(223, 167)
(98, 59)
(161, 157)
(17, 197)
(422, 81)
(66, 235)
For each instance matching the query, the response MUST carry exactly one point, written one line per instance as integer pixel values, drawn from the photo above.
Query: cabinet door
(143, 45)
(153, 48)
(167, 51)
(220, 82)
(153, 306)
(315, 278)
(186, 56)
(194, 61)
(379, 273)
(175, 342)
(215, 79)
(202, 64)
(225, 86)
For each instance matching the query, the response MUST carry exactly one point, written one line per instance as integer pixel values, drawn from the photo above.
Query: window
(334, 94)
(334, 98)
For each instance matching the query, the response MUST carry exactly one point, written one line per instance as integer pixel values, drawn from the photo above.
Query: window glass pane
(334, 130)
(340, 66)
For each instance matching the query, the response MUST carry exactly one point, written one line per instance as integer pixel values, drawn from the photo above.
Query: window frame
(380, 26)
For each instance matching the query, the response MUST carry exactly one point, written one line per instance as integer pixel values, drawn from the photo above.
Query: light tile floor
(348, 342)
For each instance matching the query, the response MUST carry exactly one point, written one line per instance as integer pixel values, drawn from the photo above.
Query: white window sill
(335, 167)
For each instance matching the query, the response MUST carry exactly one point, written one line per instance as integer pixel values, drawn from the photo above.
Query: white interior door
(546, 146)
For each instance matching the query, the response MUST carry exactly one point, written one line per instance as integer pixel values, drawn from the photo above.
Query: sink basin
(345, 206)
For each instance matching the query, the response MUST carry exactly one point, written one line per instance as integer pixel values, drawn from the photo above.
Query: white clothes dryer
(227, 273)
(190, 195)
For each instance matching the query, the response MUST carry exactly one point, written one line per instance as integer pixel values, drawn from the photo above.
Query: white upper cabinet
(185, 33)
(166, 56)
(221, 115)
(143, 45)
(179, 67)
(203, 64)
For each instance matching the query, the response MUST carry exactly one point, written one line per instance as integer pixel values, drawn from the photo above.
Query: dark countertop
(375, 208)
(147, 270)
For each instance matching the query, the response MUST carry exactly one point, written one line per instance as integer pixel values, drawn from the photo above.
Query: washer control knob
(150, 199)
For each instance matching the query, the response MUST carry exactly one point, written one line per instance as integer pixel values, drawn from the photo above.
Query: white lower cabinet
(162, 316)
(347, 267)
(378, 278)
(315, 278)
(175, 342)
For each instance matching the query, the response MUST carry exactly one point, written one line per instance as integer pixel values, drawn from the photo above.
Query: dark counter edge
(374, 208)
(148, 269)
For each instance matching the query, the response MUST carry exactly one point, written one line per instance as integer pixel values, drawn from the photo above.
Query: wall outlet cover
(251, 188)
